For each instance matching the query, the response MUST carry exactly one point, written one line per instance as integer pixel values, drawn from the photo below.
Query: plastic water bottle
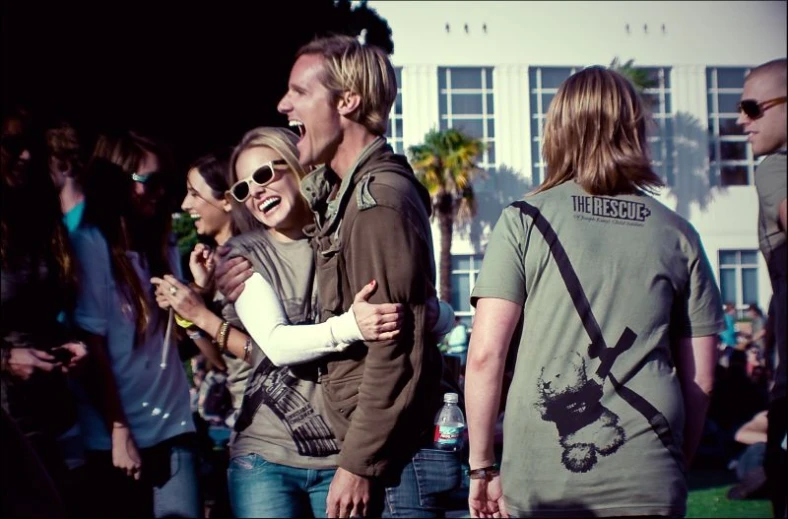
(449, 424)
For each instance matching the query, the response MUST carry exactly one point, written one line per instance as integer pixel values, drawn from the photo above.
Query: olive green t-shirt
(573, 443)
(770, 182)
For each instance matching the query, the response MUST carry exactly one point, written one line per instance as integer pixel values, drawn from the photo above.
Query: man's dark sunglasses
(262, 176)
(755, 110)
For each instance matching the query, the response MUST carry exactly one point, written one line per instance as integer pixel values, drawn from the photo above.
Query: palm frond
(445, 163)
(639, 77)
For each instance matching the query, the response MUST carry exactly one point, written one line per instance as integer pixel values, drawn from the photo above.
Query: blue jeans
(168, 488)
(259, 488)
(425, 486)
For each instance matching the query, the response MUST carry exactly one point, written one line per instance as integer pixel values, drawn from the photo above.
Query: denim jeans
(168, 488)
(259, 488)
(426, 485)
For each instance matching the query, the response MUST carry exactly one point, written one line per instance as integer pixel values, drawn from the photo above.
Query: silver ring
(173, 290)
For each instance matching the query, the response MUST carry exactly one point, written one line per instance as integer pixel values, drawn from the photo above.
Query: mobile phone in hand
(62, 355)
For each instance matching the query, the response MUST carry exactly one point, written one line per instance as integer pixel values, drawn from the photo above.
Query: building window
(394, 131)
(466, 101)
(730, 158)
(660, 136)
(739, 277)
(464, 270)
(544, 83)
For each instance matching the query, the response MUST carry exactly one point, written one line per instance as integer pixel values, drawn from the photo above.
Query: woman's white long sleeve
(263, 316)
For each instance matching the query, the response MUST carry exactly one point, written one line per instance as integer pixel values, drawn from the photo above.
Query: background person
(134, 407)
(38, 281)
(457, 341)
(749, 466)
(762, 117)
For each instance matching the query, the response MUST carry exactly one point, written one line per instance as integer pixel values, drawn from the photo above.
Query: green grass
(707, 498)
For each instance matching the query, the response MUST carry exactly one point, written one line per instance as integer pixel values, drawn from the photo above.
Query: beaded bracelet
(485, 473)
(221, 335)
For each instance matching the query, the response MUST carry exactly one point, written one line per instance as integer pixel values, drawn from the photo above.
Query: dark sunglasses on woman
(262, 176)
(755, 110)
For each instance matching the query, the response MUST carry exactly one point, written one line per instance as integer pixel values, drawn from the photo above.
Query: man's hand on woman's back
(231, 274)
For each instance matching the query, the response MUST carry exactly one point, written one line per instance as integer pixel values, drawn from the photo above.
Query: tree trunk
(446, 226)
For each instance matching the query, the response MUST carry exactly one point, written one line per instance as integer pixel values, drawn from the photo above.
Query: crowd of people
(309, 307)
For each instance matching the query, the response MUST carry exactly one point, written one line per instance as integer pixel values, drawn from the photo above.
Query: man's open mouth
(298, 127)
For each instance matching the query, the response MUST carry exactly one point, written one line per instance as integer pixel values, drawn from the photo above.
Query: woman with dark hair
(38, 281)
(620, 315)
(205, 203)
(134, 413)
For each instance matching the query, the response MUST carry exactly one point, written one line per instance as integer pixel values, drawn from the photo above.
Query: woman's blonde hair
(595, 134)
(283, 142)
(351, 66)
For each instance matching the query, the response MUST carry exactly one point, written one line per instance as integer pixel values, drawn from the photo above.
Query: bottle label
(448, 435)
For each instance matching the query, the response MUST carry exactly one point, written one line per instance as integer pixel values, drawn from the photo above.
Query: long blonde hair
(595, 134)
(283, 142)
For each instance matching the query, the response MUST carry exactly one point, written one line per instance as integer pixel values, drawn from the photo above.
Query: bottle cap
(451, 398)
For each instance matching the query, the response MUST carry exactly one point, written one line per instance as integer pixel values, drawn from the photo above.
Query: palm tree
(637, 76)
(445, 164)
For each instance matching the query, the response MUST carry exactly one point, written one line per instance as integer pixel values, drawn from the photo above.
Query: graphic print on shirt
(610, 210)
(275, 387)
(580, 392)
(586, 428)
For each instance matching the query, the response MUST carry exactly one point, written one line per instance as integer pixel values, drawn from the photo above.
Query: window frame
(665, 164)
(716, 140)
(475, 265)
(738, 268)
(488, 159)
(394, 132)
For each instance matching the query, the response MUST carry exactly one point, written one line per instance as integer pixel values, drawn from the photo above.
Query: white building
(492, 68)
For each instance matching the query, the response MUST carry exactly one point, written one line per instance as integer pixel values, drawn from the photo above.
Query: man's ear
(348, 103)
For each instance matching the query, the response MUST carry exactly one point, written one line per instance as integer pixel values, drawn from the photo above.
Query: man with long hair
(621, 313)
(762, 116)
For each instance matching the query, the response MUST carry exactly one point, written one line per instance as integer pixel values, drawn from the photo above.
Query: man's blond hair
(351, 66)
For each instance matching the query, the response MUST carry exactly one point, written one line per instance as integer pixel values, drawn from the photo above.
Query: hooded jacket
(381, 397)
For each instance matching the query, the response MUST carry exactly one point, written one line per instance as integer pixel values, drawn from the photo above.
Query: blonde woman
(620, 308)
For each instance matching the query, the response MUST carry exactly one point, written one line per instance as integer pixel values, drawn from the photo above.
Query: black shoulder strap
(598, 347)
